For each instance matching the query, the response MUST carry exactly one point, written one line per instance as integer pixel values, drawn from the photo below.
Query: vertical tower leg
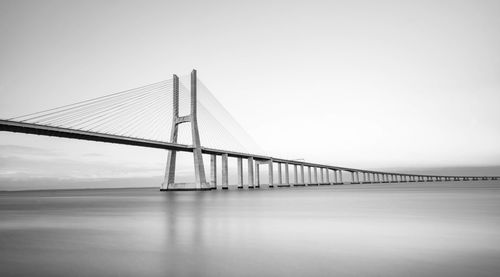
(170, 168)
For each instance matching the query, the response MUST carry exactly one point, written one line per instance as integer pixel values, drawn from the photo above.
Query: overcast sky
(375, 84)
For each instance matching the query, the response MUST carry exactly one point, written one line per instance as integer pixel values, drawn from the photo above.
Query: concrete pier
(213, 171)
(251, 181)
(239, 167)
(270, 174)
(309, 176)
(280, 177)
(287, 176)
(295, 175)
(225, 173)
(257, 175)
(302, 176)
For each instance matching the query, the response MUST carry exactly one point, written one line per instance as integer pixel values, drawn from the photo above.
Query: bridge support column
(309, 176)
(287, 175)
(257, 175)
(328, 176)
(271, 181)
(295, 175)
(302, 177)
(213, 171)
(316, 176)
(320, 182)
(240, 172)
(225, 173)
(280, 179)
(251, 183)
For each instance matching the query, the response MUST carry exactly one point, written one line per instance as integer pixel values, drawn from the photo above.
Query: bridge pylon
(200, 182)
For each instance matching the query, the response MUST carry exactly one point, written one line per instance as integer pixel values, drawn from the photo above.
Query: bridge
(125, 117)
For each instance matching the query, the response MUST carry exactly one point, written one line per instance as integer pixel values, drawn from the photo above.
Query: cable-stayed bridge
(155, 115)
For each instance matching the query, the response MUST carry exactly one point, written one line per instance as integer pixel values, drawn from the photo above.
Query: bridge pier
(213, 171)
(315, 176)
(321, 176)
(239, 167)
(251, 181)
(287, 175)
(225, 173)
(302, 177)
(280, 179)
(271, 173)
(308, 179)
(257, 175)
(295, 175)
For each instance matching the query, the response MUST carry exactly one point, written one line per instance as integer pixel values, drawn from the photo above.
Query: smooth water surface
(417, 229)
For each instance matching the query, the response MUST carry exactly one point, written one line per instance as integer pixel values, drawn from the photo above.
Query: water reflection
(365, 230)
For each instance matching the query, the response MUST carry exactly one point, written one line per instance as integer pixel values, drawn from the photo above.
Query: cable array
(146, 112)
(143, 112)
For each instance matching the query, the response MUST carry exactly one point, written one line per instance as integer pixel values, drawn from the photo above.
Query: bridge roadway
(36, 129)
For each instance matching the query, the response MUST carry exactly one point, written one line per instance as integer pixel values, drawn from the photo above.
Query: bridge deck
(36, 129)
(29, 128)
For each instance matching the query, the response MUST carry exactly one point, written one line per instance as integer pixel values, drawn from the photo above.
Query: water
(418, 229)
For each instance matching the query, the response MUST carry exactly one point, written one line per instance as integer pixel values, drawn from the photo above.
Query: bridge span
(303, 173)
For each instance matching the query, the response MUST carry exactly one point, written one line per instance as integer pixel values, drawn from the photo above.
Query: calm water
(435, 229)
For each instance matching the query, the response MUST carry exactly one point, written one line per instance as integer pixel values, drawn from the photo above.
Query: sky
(368, 84)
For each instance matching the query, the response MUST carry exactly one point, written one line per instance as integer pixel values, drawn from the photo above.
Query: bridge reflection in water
(424, 229)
